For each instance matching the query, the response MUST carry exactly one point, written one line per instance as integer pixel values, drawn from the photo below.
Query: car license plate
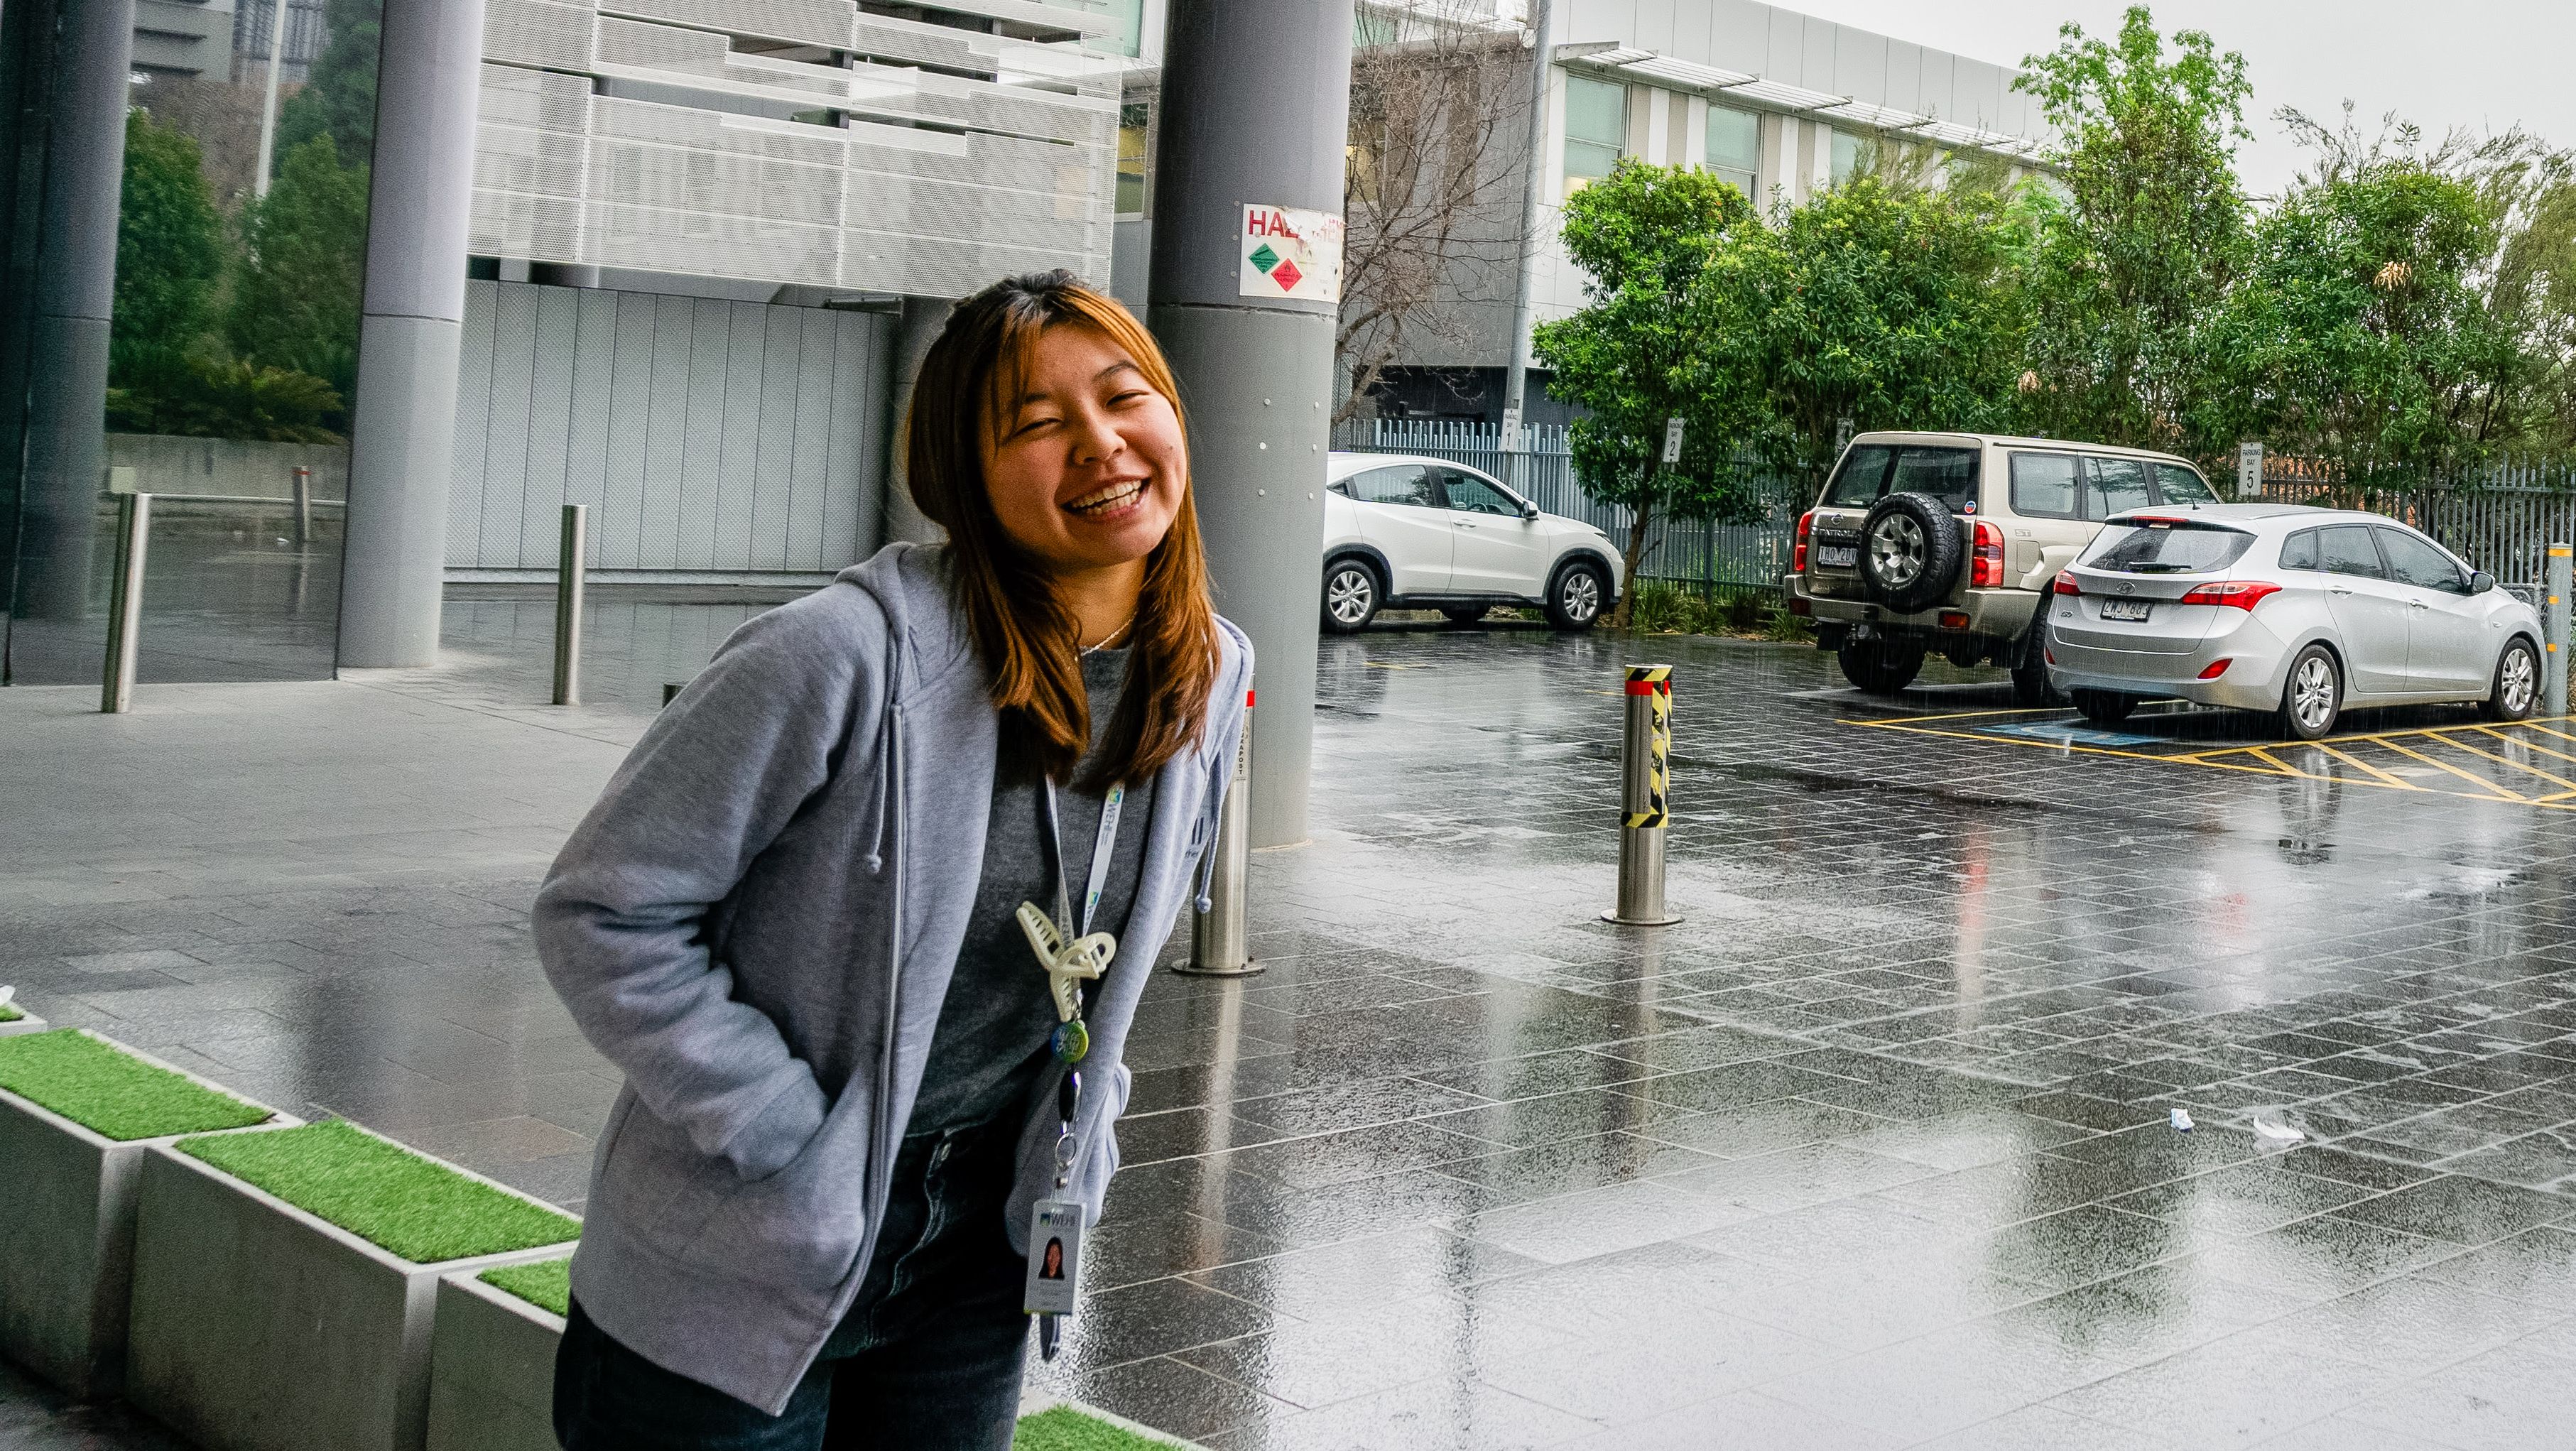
(2124, 609)
(1837, 556)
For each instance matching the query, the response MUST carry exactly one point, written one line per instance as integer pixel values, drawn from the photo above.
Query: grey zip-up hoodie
(757, 923)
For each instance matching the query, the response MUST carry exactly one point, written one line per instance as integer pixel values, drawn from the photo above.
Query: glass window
(2299, 551)
(1735, 148)
(2116, 486)
(1596, 129)
(1872, 471)
(1401, 484)
(2413, 561)
(2178, 485)
(2346, 549)
(1846, 156)
(2163, 547)
(1474, 495)
(1133, 119)
(2043, 484)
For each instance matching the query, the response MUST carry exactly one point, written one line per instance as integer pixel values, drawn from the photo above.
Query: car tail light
(2216, 669)
(2065, 585)
(1954, 619)
(2244, 594)
(1986, 566)
(1806, 530)
(2050, 654)
(1801, 605)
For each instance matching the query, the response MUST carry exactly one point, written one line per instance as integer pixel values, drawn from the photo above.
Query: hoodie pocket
(799, 1228)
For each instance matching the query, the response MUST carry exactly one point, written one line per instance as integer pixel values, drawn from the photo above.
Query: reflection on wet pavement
(1872, 1151)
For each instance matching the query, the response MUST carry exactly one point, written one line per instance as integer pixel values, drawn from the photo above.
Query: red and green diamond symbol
(1286, 275)
(1264, 258)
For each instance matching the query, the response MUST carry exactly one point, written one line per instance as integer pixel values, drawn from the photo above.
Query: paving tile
(1744, 1421)
(2238, 1391)
(2509, 1399)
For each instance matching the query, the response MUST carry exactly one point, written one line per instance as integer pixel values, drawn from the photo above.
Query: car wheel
(2313, 696)
(1911, 548)
(2517, 683)
(1575, 600)
(1464, 614)
(1351, 596)
(1878, 667)
(2103, 707)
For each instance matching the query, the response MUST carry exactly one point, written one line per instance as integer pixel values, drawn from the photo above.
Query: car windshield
(2167, 546)
(1872, 471)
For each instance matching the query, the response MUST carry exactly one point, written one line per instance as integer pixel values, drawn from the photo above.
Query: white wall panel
(706, 436)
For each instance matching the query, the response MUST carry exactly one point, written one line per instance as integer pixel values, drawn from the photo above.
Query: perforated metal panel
(707, 436)
(868, 172)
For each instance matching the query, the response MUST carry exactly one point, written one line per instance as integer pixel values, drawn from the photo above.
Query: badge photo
(1055, 1255)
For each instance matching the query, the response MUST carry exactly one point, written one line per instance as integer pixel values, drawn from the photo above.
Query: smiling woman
(825, 921)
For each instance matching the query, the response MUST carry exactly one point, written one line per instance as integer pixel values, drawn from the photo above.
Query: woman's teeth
(1101, 500)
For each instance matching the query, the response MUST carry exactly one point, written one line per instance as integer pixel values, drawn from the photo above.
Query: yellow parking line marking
(2471, 777)
(2352, 760)
(1902, 720)
(2509, 762)
(2544, 730)
(2527, 745)
(2264, 754)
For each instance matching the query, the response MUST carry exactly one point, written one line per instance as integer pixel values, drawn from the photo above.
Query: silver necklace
(1114, 637)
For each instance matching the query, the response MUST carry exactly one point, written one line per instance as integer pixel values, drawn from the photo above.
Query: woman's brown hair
(1025, 635)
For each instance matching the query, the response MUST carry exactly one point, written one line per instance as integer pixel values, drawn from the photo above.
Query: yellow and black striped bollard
(1644, 807)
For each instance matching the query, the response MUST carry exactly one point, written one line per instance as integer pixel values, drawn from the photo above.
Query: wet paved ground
(1873, 1151)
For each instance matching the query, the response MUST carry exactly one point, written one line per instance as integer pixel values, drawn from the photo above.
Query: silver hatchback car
(2295, 611)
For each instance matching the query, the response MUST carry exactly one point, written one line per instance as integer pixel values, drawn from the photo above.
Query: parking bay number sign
(1290, 252)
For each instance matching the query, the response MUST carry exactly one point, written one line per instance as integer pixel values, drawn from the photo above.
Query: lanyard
(1102, 849)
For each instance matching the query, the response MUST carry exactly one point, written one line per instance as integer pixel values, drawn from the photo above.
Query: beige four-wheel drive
(1946, 543)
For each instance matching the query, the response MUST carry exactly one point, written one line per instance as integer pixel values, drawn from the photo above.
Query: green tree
(2146, 230)
(2360, 333)
(295, 304)
(170, 245)
(339, 100)
(206, 398)
(1879, 303)
(1641, 235)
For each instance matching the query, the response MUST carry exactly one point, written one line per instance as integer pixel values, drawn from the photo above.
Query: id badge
(1055, 1253)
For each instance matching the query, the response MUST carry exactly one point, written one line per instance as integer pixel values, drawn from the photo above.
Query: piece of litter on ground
(2182, 1120)
(2273, 1127)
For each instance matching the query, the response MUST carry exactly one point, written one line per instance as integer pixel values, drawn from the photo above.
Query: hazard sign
(1290, 252)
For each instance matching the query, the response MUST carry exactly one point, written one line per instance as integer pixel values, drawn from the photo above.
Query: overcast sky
(2440, 63)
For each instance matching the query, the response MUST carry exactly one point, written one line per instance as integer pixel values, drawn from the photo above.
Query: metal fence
(1698, 553)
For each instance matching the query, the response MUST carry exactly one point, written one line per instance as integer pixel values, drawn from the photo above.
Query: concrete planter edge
(25, 1022)
(69, 1239)
(258, 1326)
(491, 1369)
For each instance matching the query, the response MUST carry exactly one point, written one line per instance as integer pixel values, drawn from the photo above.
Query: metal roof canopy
(1735, 87)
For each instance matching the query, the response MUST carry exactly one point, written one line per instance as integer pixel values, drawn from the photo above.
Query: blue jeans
(927, 1359)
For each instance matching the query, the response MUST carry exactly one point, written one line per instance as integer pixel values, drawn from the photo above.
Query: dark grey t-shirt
(992, 1042)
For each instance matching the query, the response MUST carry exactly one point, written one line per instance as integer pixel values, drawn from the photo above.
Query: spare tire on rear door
(1911, 547)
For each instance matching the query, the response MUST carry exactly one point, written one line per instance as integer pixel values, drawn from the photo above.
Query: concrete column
(410, 331)
(75, 291)
(1256, 109)
(918, 328)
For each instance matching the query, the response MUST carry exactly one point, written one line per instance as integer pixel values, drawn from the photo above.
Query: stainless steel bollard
(125, 605)
(1646, 773)
(1220, 937)
(303, 478)
(568, 592)
(2553, 671)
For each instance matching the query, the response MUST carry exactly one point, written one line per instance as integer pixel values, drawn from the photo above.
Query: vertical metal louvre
(795, 141)
(708, 437)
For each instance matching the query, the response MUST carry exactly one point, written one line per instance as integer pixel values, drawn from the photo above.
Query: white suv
(1406, 532)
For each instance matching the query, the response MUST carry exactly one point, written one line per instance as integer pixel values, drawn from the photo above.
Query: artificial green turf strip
(546, 1284)
(384, 1193)
(113, 1093)
(1066, 1429)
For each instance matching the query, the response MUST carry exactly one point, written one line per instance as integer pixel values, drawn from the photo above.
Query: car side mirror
(2481, 582)
(1529, 511)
